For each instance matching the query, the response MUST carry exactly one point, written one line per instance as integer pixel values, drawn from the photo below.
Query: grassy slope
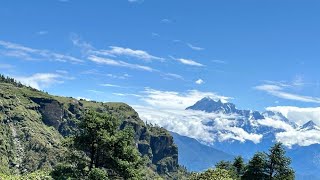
(33, 125)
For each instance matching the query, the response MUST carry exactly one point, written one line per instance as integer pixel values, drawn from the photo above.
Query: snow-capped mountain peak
(310, 125)
(211, 106)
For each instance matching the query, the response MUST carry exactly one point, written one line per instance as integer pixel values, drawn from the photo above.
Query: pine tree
(239, 165)
(256, 168)
(278, 165)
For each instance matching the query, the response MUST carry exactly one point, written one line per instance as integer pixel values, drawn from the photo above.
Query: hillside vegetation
(34, 126)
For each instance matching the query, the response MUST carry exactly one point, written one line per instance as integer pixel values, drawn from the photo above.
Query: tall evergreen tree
(278, 165)
(239, 165)
(256, 169)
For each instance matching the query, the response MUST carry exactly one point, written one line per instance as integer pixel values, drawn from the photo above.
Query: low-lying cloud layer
(167, 109)
(301, 138)
(193, 124)
(298, 115)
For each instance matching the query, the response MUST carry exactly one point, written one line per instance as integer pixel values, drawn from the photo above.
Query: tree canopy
(273, 165)
(101, 149)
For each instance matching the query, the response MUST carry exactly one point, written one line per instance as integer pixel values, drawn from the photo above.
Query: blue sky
(255, 54)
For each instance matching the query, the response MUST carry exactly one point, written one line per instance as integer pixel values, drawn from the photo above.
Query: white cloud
(114, 51)
(121, 51)
(298, 81)
(192, 124)
(279, 91)
(135, 1)
(227, 129)
(40, 80)
(301, 138)
(274, 123)
(62, 71)
(195, 47)
(189, 62)
(95, 91)
(295, 136)
(199, 81)
(172, 75)
(298, 115)
(126, 94)
(167, 109)
(122, 76)
(176, 100)
(110, 85)
(42, 32)
(166, 21)
(114, 76)
(86, 48)
(182, 122)
(111, 62)
(19, 51)
(94, 55)
(155, 34)
(241, 135)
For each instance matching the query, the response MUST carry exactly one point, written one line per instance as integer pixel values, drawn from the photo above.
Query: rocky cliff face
(33, 125)
(165, 152)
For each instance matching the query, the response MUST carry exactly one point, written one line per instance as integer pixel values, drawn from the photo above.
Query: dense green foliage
(278, 165)
(256, 168)
(38, 175)
(273, 165)
(107, 151)
(212, 174)
(239, 166)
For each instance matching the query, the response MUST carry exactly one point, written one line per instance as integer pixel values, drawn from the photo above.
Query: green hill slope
(33, 125)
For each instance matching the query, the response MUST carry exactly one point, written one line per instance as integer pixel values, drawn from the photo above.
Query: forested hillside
(34, 126)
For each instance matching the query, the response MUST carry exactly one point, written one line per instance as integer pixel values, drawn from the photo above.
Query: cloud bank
(298, 115)
(167, 109)
(193, 124)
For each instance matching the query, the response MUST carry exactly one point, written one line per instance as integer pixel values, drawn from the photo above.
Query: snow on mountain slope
(220, 125)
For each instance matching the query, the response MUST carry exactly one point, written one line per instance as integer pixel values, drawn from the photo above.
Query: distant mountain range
(265, 128)
(196, 156)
